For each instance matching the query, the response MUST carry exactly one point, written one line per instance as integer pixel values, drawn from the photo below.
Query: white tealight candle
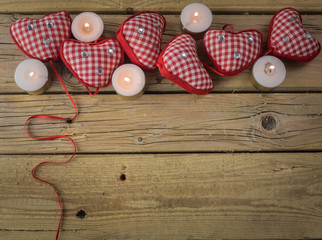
(87, 27)
(31, 75)
(128, 80)
(268, 72)
(196, 17)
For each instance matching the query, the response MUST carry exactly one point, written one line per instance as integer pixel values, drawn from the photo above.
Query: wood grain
(176, 196)
(166, 123)
(300, 77)
(167, 6)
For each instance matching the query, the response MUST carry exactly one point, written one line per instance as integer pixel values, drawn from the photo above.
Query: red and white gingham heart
(179, 63)
(232, 52)
(92, 63)
(41, 38)
(140, 36)
(288, 39)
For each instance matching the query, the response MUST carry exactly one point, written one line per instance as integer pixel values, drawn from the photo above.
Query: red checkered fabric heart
(140, 36)
(288, 39)
(41, 38)
(232, 52)
(179, 63)
(92, 63)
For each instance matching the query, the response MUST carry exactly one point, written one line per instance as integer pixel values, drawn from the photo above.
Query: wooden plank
(300, 76)
(168, 6)
(176, 196)
(166, 123)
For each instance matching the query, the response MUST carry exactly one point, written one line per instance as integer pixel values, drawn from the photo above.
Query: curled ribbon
(50, 138)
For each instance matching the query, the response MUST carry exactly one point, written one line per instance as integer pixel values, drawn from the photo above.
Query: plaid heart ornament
(179, 63)
(140, 37)
(92, 63)
(232, 52)
(41, 38)
(288, 39)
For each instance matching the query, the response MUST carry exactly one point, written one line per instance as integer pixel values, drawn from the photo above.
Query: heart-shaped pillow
(41, 38)
(92, 63)
(288, 39)
(232, 52)
(179, 63)
(140, 36)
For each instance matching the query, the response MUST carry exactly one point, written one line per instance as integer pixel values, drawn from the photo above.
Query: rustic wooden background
(234, 164)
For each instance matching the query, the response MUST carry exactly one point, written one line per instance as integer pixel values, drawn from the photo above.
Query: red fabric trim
(97, 42)
(276, 54)
(225, 73)
(90, 93)
(126, 47)
(164, 72)
(48, 59)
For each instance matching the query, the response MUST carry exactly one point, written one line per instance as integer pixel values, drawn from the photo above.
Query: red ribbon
(50, 138)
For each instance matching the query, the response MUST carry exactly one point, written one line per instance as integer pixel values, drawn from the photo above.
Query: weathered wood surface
(300, 76)
(176, 196)
(166, 123)
(167, 6)
(193, 193)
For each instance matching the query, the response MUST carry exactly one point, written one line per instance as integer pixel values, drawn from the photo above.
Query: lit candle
(31, 75)
(128, 80)
(87, 27)
(268, 72)
(196, 18)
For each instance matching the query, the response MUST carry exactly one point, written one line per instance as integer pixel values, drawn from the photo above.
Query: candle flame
(269, 68)
(126, 79)
(195, 17)
(86, 25)
(31, 74)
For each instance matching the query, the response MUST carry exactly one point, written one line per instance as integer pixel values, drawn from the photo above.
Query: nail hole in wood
(159, 79)
(268, 122)
(129, 10)
(122, 177)
(81, 214)
(69, 121)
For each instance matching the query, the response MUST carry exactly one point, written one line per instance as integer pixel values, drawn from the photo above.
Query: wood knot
(129, 10)
(159, 79)
(268, 122)
(81, 214)
(140, 139)
(65, 73)
(122, 177)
